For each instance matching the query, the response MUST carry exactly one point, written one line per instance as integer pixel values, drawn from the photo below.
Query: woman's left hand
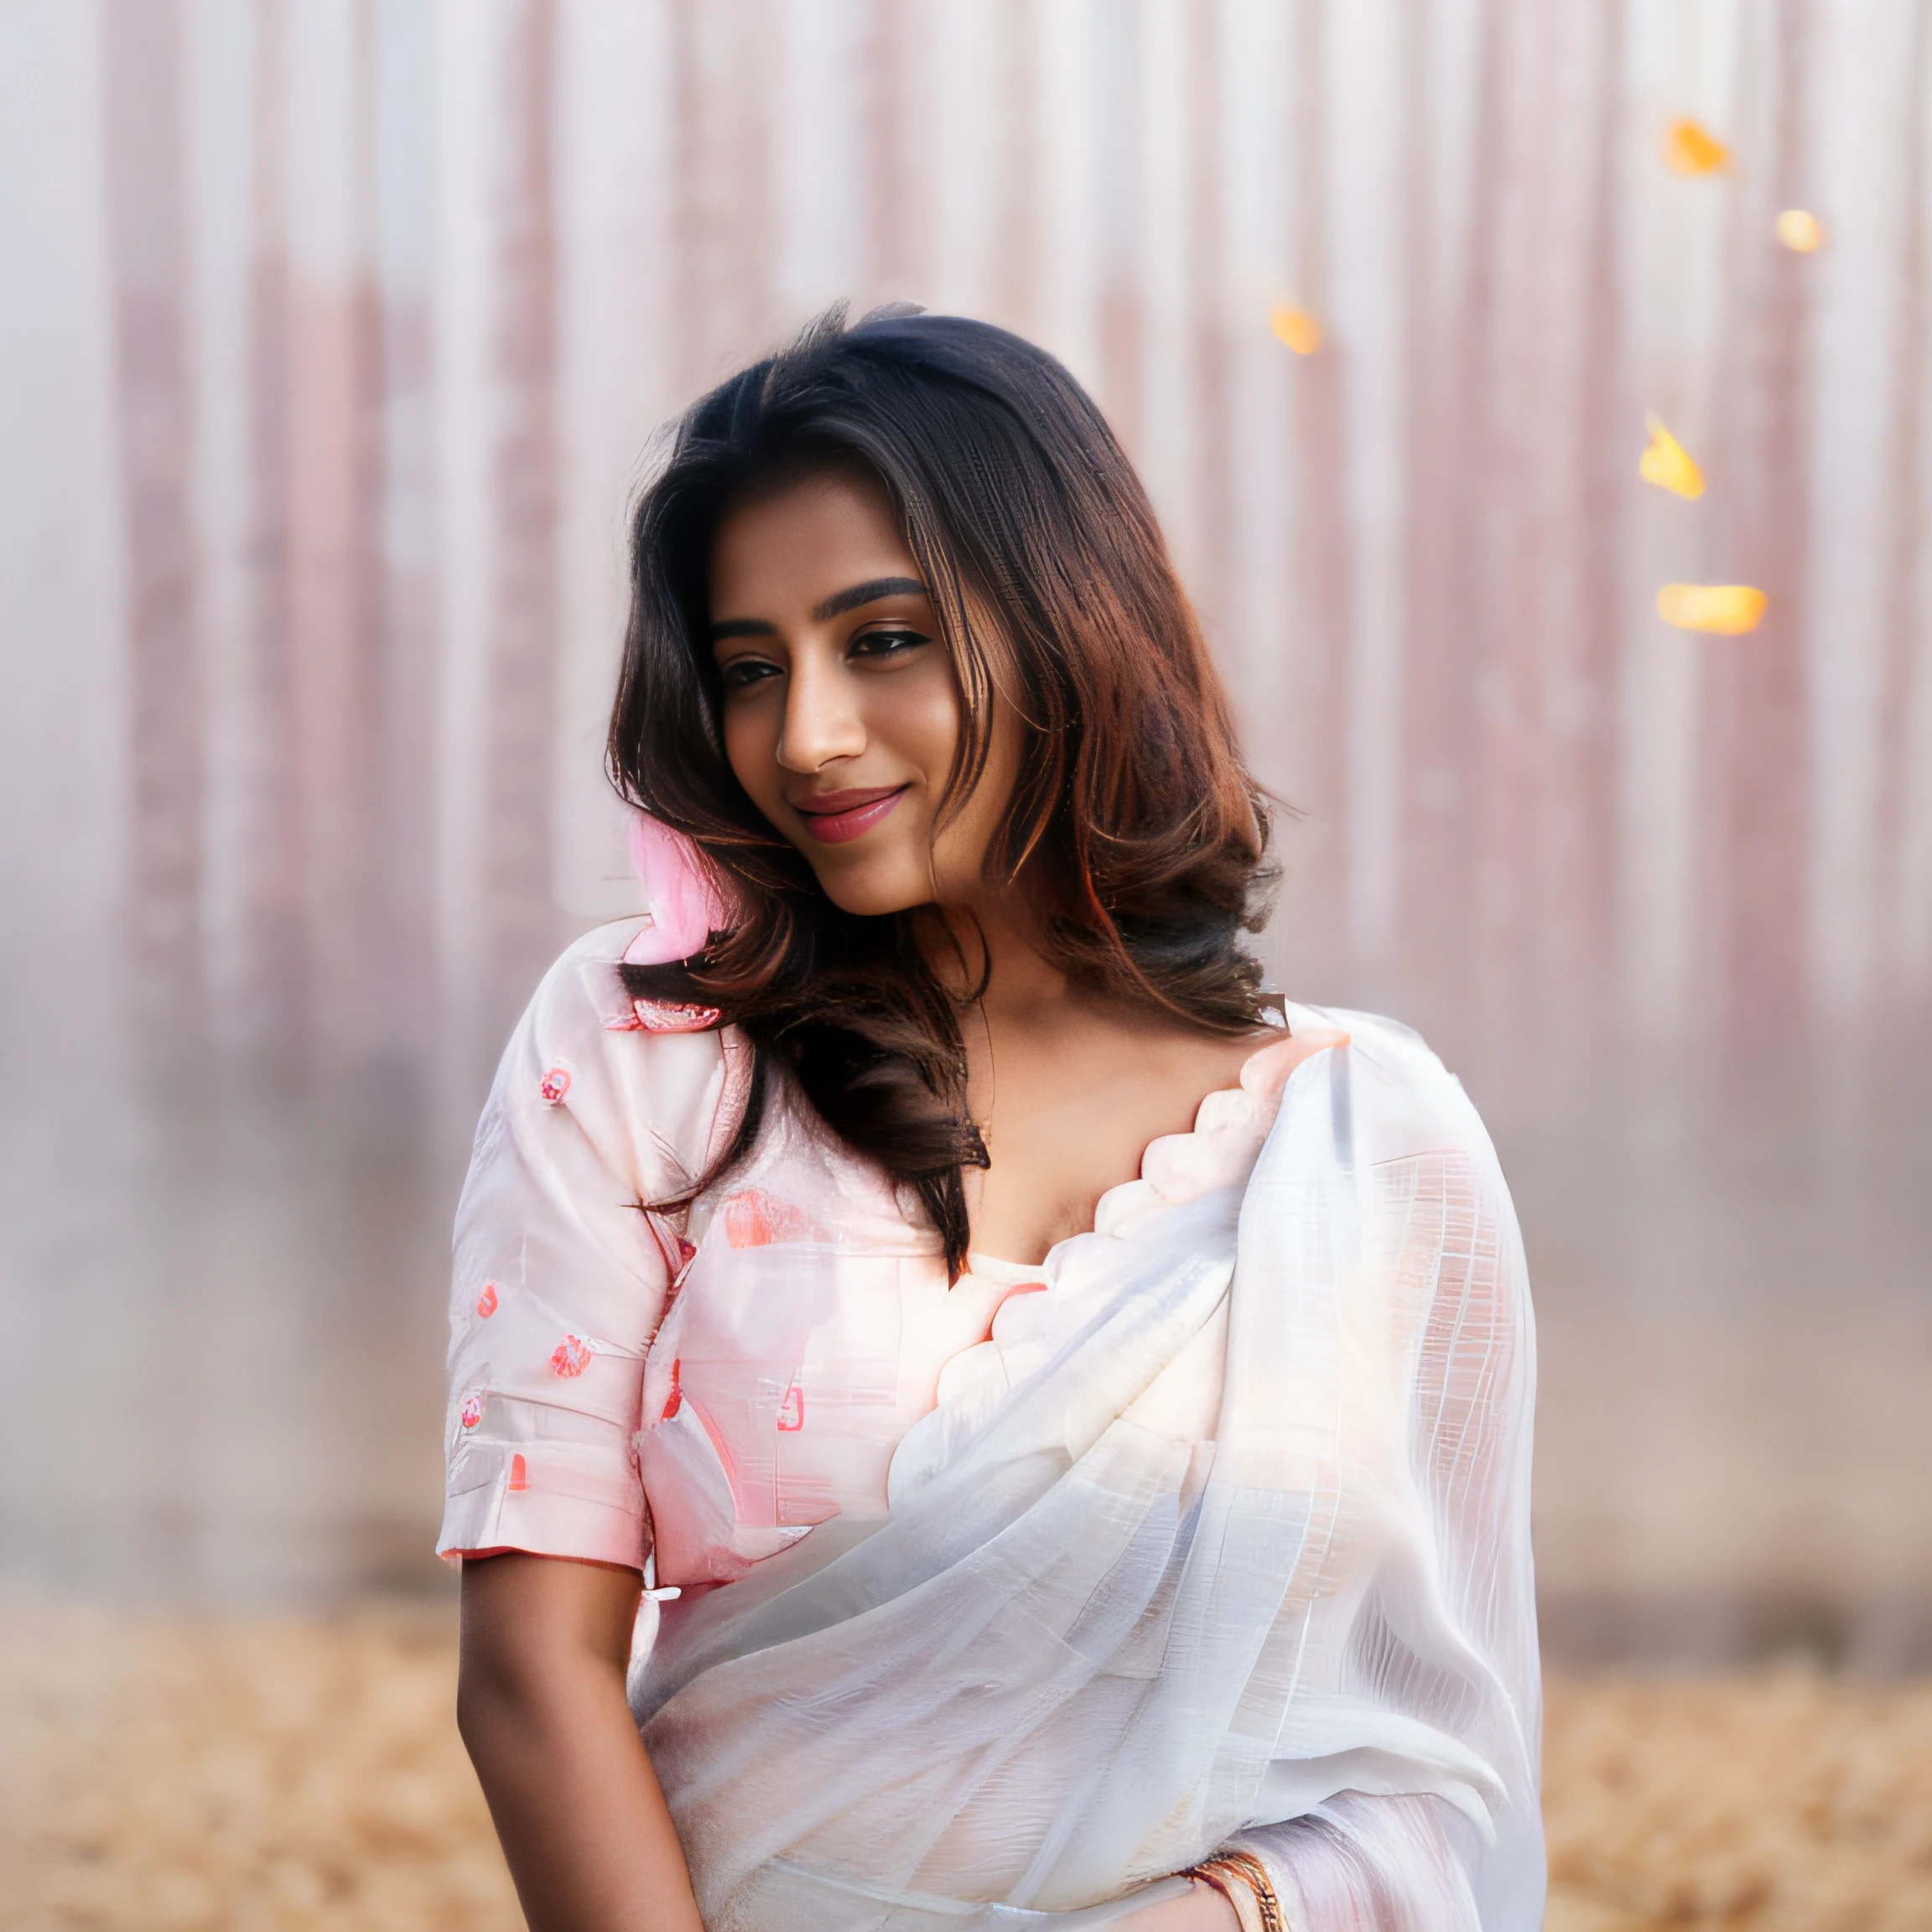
(1203, 1910)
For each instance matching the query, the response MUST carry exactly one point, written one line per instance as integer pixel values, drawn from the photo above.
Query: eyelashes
(895, 640)
(746, 672)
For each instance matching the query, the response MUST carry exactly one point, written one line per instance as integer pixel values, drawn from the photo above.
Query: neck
(1000, 935)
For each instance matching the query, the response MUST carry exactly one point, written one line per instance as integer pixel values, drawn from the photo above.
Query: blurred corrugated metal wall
(336, 333)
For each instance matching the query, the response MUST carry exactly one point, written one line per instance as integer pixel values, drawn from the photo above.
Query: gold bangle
(1273, 1918)
(1239, 1877)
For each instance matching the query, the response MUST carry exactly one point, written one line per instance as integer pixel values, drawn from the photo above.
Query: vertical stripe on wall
(522, 921)
(271, 1005)
(1755, 752)
(163, 942)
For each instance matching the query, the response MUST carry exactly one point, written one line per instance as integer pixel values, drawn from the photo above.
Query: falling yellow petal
(1665, 463)
(1690, 150)
(1297, 328)
(1729, 609)
(1800, 231)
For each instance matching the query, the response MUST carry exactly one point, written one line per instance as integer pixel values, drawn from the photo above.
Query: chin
(869, 891)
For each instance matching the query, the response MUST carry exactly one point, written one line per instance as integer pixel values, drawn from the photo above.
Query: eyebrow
(843, 600)
(836, 605)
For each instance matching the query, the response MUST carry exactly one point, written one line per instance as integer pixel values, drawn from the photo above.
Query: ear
(681, 896)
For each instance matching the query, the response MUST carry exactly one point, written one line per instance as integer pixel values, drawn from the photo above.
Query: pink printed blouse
(711, 1383)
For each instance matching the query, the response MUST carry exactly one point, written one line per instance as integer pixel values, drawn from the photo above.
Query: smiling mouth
(839, 816)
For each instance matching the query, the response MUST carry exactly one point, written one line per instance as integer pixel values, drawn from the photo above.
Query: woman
(1079, 1416)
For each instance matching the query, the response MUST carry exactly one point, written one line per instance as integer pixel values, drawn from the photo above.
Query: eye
(894, 641)
(741, 673)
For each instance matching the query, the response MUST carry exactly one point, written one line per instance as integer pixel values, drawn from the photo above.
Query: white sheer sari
(1094, 1641)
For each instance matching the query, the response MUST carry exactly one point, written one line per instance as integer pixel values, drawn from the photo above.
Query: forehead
(792, 547)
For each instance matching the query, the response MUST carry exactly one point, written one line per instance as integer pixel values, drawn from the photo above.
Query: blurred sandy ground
(176, 1774)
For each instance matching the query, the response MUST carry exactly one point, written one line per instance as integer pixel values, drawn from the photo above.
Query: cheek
(963, 843)
(916, 714)
(751, 749)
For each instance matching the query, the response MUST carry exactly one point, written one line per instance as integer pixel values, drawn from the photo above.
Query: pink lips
(838, 817)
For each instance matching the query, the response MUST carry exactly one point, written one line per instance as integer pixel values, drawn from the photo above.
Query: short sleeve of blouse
(560, 1277)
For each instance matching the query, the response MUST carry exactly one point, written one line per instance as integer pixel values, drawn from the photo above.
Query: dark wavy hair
(1133, 826)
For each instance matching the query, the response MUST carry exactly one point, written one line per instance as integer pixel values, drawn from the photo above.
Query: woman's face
(841, 709)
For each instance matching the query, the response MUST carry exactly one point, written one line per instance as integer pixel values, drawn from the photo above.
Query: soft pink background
(334, 337)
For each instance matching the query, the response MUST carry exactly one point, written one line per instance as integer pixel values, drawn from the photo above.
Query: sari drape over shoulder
(1225, 1538)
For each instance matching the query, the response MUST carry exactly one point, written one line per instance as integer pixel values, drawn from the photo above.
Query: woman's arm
(1203, 1909)
(540, 1703)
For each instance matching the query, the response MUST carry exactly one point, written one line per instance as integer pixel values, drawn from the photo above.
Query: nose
(822, 719)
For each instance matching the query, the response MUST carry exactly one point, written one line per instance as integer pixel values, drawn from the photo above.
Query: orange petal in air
(1726, 610)
(1296, 328)
(1666, 463)
(1800, 231)
(1690, 149)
